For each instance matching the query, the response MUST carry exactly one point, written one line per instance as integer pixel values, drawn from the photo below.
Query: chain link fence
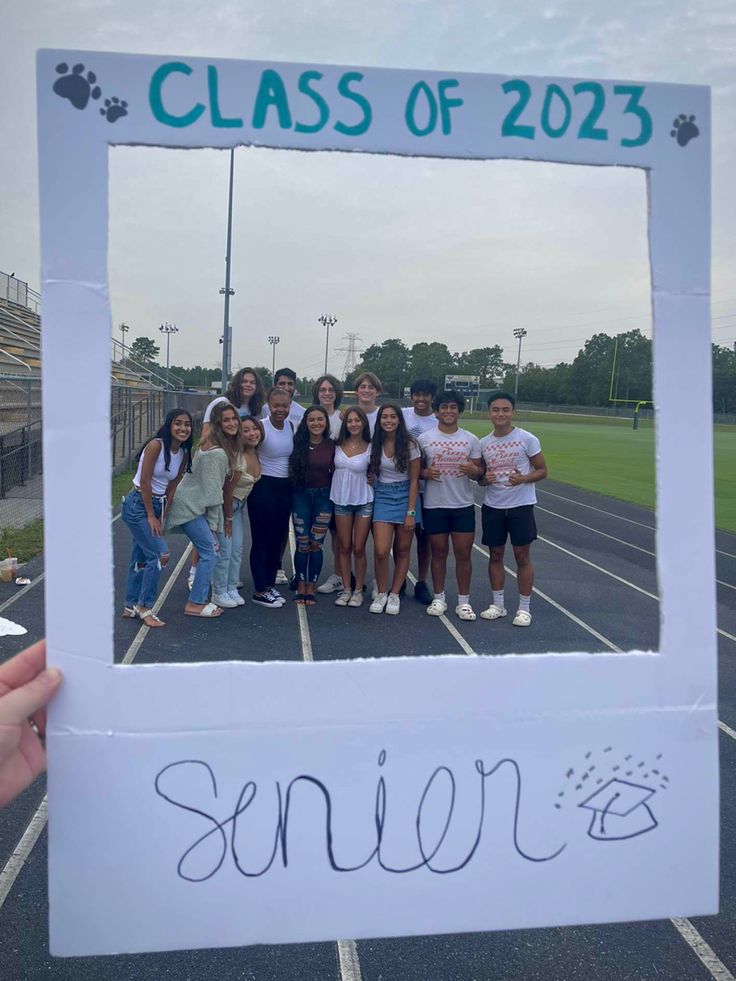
(135, 415)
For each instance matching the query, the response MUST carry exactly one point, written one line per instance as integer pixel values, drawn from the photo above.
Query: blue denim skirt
(391, 502)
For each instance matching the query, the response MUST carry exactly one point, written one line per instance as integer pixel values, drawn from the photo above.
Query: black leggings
(269, 510)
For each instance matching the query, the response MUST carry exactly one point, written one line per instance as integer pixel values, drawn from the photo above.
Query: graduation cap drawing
(620, 811)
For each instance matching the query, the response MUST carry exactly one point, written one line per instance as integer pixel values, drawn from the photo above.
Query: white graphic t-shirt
(447, 451)
(503, 455)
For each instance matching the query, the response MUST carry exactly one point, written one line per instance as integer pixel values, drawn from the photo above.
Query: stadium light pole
(327, 322)
(520, 333)
(273, 341)
(124, 328)
(226, 291)
(168, 329)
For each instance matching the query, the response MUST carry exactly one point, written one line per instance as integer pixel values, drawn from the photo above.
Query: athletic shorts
(500, 523)
(444, 521)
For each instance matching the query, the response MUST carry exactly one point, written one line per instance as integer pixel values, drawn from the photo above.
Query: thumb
(21, 703)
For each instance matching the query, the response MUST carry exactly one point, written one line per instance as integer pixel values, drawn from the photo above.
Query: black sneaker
(268, 599)
(422, 594)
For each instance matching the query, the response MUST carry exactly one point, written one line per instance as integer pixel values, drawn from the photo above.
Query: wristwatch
(411, 513)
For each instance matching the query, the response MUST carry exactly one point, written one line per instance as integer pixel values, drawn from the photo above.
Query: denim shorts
(359, 510)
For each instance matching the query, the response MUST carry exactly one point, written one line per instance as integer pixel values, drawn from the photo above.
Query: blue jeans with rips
(145, 560)
(311, 511)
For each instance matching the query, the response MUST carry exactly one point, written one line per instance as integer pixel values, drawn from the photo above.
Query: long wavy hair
(218, 437)
(344, 433)
(234, 392)
(403, 441)
(164, 434)
(299, 459)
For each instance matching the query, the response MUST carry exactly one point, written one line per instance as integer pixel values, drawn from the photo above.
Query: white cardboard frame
(372, 732)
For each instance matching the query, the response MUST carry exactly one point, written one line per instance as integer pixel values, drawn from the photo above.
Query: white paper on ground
(225, 804)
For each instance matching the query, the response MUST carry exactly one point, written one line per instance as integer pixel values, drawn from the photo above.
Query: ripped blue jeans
(311, 511)
(148, 550)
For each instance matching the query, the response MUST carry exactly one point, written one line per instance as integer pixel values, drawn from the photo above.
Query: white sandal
(130, 612)
(149, 615)
(465, 612)
(522, 619)
(436, 608)
(208, 612)
(493, 612)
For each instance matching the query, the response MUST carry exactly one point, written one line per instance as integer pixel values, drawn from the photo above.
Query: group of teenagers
(403, 474)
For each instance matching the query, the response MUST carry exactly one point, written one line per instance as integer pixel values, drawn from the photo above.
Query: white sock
(462, 600)
(524, 602)
(440, 597)
(192, 570)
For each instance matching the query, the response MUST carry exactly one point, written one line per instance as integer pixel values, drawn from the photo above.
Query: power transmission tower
(351, 353)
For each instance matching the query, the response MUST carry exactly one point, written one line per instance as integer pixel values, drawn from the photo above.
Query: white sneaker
(374, 591)
(493, 612)
(436, 608)
(393, 604)
(333, 584)
(236, 597)
(281, 578)
(224, 600)
(379, 603)
(344, 598)
(356, 599)
(522, 619)
(465, 612)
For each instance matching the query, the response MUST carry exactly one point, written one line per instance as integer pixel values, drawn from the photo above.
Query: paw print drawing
(76, 85)
(114, 109)
(685, 129)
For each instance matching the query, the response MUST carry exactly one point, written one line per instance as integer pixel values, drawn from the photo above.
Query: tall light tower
(226, 291)
(273, 341)
(520, 333)
(124, 328)
(168, 329)
(327, 322)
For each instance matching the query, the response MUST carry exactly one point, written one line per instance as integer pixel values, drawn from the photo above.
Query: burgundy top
(320, 464)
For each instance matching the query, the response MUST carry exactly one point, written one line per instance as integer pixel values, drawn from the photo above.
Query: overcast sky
(456, 251)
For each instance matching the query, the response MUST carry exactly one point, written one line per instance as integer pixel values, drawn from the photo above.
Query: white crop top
(161, 476)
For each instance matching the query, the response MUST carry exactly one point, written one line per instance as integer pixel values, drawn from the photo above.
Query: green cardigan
(200, 492)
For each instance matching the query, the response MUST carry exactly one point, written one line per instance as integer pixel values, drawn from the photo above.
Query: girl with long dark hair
(310, 469)
(395, 463)
(203, 503)
(162, 463)
(352, 496)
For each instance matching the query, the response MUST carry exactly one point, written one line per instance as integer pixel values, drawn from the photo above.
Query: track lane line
(30, 836)
(612, 514)
(613, 538)
(347, 950)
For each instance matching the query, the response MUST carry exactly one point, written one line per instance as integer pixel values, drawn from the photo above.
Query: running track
(597, 581)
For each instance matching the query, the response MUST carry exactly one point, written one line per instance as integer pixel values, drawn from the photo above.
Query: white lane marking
(21, 592)
(727, 729)
(449, 626)
(38, 822)
(612, 514)
(347, 956)
(558, 606)
(708, 957)
(613, 538)
(347, 950)
(143, 632)
(612, 575)
(39, 578)
(22, 850)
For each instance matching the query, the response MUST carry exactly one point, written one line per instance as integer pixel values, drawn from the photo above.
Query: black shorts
(499, 523)
(444, 521)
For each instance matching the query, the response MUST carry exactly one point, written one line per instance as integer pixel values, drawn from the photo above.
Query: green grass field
(606, 455)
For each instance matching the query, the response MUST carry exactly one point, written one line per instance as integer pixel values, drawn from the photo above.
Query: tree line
(606, 367)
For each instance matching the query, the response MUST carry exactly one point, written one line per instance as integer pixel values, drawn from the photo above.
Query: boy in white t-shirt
(452, 457)
(419, 419)
(513, 464)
